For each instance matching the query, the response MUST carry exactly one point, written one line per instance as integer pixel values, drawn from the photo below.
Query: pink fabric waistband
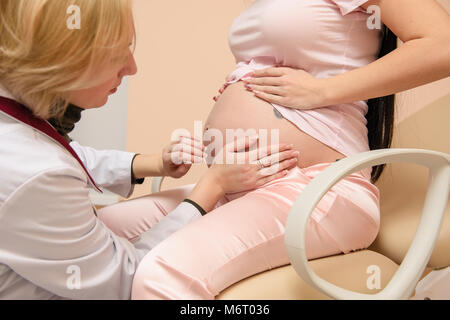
(304, 175)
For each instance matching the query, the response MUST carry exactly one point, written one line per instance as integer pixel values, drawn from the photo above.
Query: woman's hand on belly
(288, 87)
(239, 112)
(241, 166)
(239, 169)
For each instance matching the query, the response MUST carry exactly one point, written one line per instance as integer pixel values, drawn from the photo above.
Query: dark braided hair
(66, 123)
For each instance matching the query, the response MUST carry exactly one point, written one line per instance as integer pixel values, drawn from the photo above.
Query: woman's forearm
(148, 165)
(413, 64)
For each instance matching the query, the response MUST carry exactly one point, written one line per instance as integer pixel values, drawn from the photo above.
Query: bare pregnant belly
(238, 108)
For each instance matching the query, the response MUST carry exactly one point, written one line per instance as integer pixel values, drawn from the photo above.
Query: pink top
(322, 37)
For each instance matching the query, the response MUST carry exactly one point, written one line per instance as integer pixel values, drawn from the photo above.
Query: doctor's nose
(130, 68)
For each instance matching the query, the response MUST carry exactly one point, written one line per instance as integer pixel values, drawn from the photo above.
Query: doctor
(52, 244)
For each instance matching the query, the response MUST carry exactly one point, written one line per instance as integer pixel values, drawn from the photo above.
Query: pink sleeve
(347, 6)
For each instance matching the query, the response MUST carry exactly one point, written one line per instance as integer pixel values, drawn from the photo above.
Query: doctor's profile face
(73, 52)
(97, 96)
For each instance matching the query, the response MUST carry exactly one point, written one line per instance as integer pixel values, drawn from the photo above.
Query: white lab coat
(110, 169)
(52, 245)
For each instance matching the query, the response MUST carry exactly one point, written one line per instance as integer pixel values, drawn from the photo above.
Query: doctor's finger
(185, 137)
(192, 142)
(188, 149)
(194, 149)
(179, 158)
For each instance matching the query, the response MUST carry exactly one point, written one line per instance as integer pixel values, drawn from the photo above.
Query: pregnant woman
(317, 101)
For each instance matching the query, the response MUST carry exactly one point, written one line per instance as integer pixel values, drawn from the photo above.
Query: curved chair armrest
(156, 184)
(402, 284)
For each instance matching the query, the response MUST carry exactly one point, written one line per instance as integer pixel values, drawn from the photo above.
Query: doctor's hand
(234, 169)
(179, 155)
(288, 87)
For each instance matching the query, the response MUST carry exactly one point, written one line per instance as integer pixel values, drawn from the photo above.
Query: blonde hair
(41, 58)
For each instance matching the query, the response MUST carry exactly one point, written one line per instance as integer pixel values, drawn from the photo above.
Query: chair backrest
(403, 186)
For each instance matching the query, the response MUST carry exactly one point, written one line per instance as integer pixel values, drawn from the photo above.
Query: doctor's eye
(132, 43)
(132, 47)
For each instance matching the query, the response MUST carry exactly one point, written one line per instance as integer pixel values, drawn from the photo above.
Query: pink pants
(244, 234)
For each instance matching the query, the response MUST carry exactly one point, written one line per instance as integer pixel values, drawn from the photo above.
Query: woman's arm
(424, 27)
(207, 192)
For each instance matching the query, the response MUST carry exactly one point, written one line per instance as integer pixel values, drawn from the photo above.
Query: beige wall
(183, 58)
